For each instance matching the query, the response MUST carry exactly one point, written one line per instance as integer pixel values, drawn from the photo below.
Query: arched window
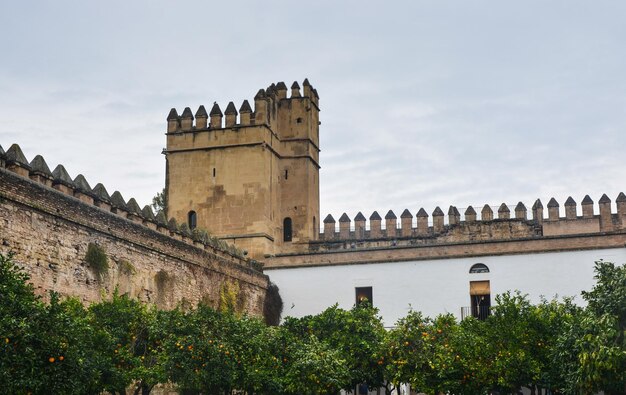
(192, 220)
(287, 229)
(479, 268)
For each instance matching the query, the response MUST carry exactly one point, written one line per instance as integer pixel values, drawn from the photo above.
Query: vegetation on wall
(162, 279)
(273, 305)
(159, 202)
(97, 260)
(555, 346)
(126, 267)
(231, 299)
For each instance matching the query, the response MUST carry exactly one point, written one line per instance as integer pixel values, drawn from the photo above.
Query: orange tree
(312, 367)
(357, 334)
(559, 324)
(126, 344)
(515, 344)
(470, 345)
(252, 344)
(422, 352)
(44, 347)
(200, 357)
(602, 348)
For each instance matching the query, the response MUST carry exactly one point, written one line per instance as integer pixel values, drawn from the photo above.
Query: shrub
(126, 267)
(273, 306)
(97, 260)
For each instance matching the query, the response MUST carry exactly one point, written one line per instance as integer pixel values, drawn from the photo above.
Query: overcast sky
(424, 103)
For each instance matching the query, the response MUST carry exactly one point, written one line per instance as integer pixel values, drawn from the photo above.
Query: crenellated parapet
(506, 222)
(266, 104)
(37, 171)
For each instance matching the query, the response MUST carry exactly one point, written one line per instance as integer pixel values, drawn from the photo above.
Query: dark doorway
(480, 299)
(481, 306)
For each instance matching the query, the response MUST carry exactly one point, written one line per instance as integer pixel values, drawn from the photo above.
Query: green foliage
(184, 229)
(200, 235)
(42, 345)
(97, 259)
(120, 343)
(231, 300)
(516, 344)
(204, 237)
(256, 265)
(273, 305)
(314, 368)
(127, 344)
(357, 335)
(126, 268)
(602, 346)
(159, 202)
(422, 352)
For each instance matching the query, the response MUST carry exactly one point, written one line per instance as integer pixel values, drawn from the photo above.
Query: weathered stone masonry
(49, 232)
(487, 236)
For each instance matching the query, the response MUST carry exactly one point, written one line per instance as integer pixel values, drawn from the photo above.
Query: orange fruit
(51, 359)
(61, 358)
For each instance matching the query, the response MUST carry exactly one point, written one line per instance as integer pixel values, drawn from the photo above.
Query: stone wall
(510, 225)
(470, 237)
(50, 232)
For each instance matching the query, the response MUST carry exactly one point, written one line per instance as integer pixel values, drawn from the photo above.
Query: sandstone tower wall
(49, 221)
(250, 177)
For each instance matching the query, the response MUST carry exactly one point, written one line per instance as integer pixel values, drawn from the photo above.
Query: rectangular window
(364, 294)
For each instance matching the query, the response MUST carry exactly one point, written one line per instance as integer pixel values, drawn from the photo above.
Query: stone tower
(252, 178)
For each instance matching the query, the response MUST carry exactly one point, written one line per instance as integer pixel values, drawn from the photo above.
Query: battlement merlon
(470, 228)
(270, 105)
(287, 125)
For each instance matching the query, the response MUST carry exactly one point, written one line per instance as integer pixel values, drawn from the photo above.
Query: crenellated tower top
(266, 105)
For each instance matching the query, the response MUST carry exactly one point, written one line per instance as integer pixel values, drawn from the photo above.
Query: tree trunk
(146, 389)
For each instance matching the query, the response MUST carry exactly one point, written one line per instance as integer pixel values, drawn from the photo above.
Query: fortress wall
(49, 232)
(347, 255)
(505, 225)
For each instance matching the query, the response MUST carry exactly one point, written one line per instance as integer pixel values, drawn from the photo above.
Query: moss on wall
(97, 260)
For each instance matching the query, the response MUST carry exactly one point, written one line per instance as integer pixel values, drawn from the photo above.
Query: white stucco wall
(437, 286)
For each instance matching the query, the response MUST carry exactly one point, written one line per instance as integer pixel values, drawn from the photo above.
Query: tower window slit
(287, 229)
(192, 220)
